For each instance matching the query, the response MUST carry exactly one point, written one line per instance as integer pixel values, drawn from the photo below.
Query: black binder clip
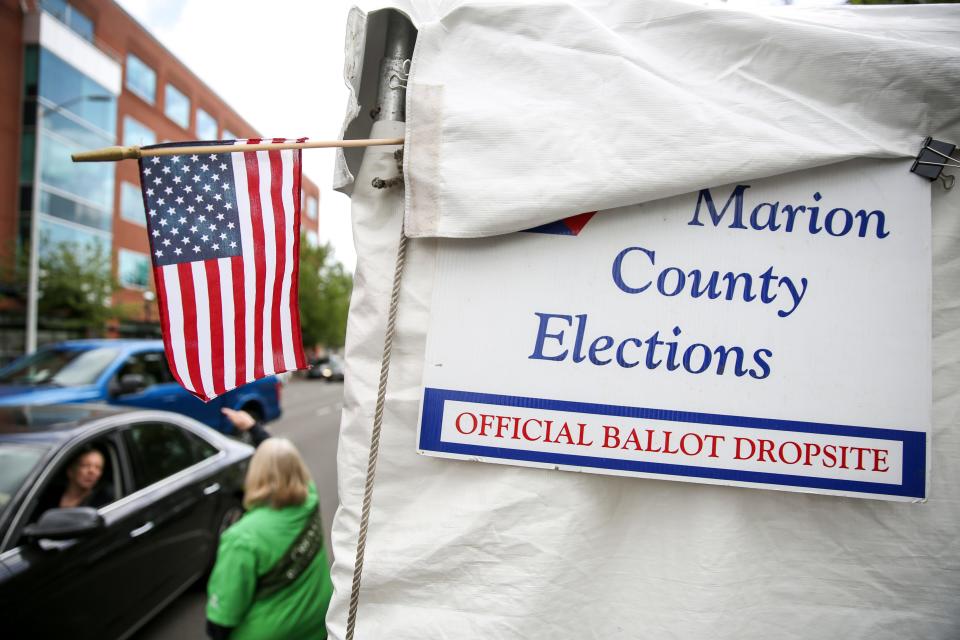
(933, 157)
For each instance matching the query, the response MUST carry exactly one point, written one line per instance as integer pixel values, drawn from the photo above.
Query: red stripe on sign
(295, 279)
(240, 319)
(216, 326)
(165, 323)
(188, 302)
(259, 258)
(279, 233)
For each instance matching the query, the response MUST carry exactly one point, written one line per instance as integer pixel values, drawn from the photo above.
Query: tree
(325, 288)
(76, 286)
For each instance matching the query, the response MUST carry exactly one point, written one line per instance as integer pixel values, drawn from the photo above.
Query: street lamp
(33, 285)
(148, 298)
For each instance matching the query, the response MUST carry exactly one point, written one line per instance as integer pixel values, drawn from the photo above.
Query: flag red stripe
(188, 302)
(216, 325)
(165, 323)
(295, 279)
(279, 233)
(239, 319)
(256, 222)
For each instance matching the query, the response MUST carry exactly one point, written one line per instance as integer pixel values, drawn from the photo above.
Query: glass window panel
(57, 8)
(53, 235)
(134, 269)
(206, 126)
(31, 57)
(312, 238)
(229, 135)
(312, 208)
(26, 156)
(64, 88)
(159, 450)
(80, 23)
(137, 133)
(177, 106)
(131, 203)
(69, 209)
(77, 131)
(91, 181)
(141, 79)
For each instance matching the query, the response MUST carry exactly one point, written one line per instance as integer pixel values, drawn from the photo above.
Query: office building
(80, 75)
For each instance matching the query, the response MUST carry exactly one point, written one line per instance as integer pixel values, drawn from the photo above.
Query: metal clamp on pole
(933, 157)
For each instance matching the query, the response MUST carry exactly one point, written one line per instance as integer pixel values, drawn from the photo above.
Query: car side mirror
(65, 524)
(131, 383)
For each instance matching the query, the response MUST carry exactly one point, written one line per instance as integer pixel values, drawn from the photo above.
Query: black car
(329, 369)
(169, 487)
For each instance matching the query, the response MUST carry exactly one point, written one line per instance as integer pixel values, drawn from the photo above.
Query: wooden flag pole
(113, 154)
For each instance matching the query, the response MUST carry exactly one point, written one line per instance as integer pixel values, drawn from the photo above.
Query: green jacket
(248, 549)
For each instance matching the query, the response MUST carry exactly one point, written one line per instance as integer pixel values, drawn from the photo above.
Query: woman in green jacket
(271, 579)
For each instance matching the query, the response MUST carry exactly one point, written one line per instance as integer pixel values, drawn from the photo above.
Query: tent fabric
(701, 97)
(601, 105)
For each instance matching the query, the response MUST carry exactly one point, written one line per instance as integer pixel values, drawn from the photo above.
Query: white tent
(520, 115)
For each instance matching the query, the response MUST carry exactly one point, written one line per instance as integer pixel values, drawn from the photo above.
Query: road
(311, 419)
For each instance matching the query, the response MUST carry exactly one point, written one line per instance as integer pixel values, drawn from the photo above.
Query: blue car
(131, 373)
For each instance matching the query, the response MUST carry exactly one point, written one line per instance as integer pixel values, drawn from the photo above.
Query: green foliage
(76, 284)
(325, 289)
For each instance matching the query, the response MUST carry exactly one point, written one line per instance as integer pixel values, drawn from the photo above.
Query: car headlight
(327, 372)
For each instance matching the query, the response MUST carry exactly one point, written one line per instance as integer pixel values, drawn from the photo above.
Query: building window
(312, 208)
(70, 16)
(133, 269)
(137, 133)
(312, 239)
(229, 135)
(90, 189)
(206, 126)
(177, 106)
(131, 204)
(141, 79)
(55, 237)
(73, 104)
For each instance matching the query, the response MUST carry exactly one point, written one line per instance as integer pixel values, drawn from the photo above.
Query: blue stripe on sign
(913, 482)
(556, 228)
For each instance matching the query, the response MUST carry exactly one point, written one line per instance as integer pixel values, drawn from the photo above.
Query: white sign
(771, 334)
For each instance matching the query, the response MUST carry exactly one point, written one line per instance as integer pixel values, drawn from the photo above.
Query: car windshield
(60, 367)
(16, 461)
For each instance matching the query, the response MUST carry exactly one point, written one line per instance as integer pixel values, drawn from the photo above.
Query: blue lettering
(542, 336)
(618, 270)
(736, 197)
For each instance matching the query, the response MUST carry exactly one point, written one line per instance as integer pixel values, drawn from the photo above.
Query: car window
(160, 449)
(106, 486)
(16, 462)
(62, 367)
(151, 365)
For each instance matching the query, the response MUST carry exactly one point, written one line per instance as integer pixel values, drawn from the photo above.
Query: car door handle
(139, 531)
(211, 489)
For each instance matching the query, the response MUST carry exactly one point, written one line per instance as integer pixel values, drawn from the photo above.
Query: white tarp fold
(522, 115)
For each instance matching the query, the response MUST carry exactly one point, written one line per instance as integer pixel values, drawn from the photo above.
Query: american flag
(224, 234)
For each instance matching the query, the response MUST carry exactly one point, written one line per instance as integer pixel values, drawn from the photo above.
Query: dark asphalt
(311, 419)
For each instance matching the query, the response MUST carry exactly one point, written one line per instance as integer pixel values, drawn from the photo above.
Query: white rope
(375, 437)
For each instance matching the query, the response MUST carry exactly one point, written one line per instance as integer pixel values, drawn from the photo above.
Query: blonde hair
(277, 476)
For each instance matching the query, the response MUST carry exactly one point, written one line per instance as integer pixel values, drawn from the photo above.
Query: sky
(285, 76)
(282, 70)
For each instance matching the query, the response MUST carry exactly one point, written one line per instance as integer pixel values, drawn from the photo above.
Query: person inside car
(83, 475)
